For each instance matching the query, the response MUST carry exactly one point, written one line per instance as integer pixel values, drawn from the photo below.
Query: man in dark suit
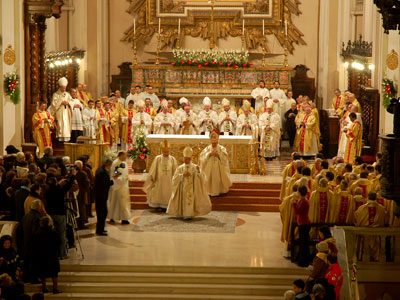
(290, 125)
(17, 210)
(102, 184)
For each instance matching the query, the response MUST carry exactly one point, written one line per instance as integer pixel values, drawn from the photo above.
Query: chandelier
(390, 11)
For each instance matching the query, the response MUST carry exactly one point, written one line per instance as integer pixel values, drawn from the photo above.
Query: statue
(394, 108)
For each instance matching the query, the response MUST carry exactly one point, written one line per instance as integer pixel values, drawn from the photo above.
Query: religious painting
(152, 76)
(210, 77)
(173, 76)
(230, 76)
(283, 77)
(268, 77)
(138, 76)
(249, 77)
(191, 76)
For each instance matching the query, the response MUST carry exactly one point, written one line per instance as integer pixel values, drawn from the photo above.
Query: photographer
(55, 195)
(84, 185)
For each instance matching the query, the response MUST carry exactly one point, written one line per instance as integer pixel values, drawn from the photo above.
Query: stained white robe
(211, 121)
(270, 139)
(138, 127)
(216, 170)
(227, 126)
(251, 120)
(119, 200)
(164, 118)
(158, 185)
(89, 126)
(62, 115)
(189, 196)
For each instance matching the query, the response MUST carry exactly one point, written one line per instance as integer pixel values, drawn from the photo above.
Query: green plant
(139, 149)
(389, 91)
(11, 87)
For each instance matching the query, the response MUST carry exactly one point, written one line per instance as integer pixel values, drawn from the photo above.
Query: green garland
(11, 87)
(388, 90)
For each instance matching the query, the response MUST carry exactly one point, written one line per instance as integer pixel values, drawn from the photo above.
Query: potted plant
(138, 152)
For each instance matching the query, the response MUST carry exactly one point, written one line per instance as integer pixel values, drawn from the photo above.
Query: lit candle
(134, 26)
(159, 26)
(286, 27)
(243, 27)
(263, 28)
(179, 26)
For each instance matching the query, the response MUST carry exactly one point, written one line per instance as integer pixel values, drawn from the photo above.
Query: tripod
(72, 214)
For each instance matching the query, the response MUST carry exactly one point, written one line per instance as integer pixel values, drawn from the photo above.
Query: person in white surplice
(259, 93)
(214, 162)
(279, 98)
(189, 196)
(270, 132)
(119, 201)
(76, 117)
(158, 185)
(89, 120)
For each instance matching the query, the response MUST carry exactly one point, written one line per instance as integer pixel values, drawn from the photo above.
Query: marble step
(226, 199)
(93, 296)
(128, 277)
(168, 288)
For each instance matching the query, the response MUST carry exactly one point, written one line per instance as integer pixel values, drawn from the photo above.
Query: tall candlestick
(134, 26)
(179, 26)
(263, 28)
(159, 26)
(243, 27)
(286, 27)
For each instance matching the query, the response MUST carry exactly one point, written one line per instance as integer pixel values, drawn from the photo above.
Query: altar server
(247, 121)
(149, 93)
(135, 95)
(158, 185)
(89, 120)
(207, 119)
(61, 111)
(279, 98)
(164, 122)
(270, 132)
(187, 121)
(141, 121)
(76, 116)
(42, 123)
(104, 120)
(127, 125)
(189, 196)
(227, 119)
(259, 93)
(307, 136)
(214, 162)
(119, 199)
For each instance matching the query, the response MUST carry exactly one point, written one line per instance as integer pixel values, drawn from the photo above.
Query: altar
(238, 148)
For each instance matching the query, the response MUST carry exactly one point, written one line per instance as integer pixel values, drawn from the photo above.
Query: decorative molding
(195, 21)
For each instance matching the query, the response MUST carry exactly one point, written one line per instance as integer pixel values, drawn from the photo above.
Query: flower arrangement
(11, 87)
(389, 91)
(211, 58)
(111, 154)
(139, 149)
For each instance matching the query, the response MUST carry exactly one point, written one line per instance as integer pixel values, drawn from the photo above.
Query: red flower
(189, 62)
(15, 81)
(229, 64)
(250, 64)
(213, 62)
(10, 88)
(220, 63)
(144, 150)
(133, 149)
(236, 67)
(244, 65)
(182, 62)
(142, 156)
(206, 64)
(173, 64)
(195, 61)
(199, 66)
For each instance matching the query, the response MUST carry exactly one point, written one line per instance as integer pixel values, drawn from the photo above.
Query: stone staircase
(89, 282)
(243, 196)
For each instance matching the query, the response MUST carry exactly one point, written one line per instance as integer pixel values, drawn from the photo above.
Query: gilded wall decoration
(392, 60)
(195, 18)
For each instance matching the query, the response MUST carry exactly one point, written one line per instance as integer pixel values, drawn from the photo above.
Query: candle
(159, 26)
(243, 27)
(134, 26)
(179, 26)
(286, 27)
(263, 28)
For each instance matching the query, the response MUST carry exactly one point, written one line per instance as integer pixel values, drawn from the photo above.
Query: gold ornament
(392, 60)
(9, 55)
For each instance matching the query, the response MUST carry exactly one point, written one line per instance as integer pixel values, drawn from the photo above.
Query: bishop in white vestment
(164, 122)
(89, 120)
(61, 111)
(158, 185)
(119, 199)
(214, 162)
(141, 120)
(189, 196)
(246, 123)
(187, 121)
(270, 132)
(227, 119)
(182, 103)
(207, 119)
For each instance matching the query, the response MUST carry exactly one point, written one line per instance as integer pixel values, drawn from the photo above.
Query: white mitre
(187, 152)
(206, 101)
(183, 100)
(164, 103)
(62, 81)
(270, 103)
(225, 102)
(141, 103)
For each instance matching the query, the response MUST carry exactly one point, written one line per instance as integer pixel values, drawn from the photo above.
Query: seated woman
(325, 235)
(10, 262)
(320, 262)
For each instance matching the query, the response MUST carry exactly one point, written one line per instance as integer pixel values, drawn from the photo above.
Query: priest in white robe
(279, 98)
(259, 93)
(247, 122)
(207, 119)
(189, 196)
(164, 122)
(187, 121)
(227, 119)
(141, 120)
(61, 111)
(76, 116)
(214, 162)
(158, 185)
(89, 120)
(270, 132)
(119, 199)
